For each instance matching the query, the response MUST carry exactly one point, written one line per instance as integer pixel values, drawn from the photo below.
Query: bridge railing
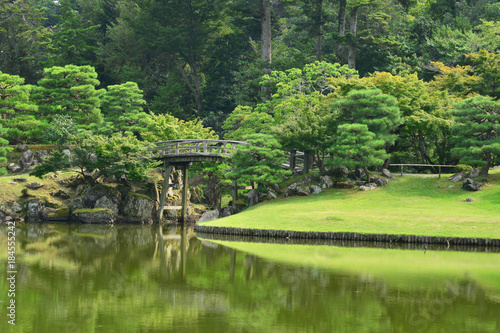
(194, 146)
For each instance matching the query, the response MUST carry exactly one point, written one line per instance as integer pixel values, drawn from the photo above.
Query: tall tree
(477, 132)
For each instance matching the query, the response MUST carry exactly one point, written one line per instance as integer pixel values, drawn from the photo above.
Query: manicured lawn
(426, 206)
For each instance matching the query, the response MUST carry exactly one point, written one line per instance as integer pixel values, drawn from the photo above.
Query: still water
(129, 278)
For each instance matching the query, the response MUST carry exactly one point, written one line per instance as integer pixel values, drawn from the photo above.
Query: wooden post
(401, 170)
(235, 193)
(439, 171)
(184, 192)
(164, 190)
(307, 162)
(292, 159)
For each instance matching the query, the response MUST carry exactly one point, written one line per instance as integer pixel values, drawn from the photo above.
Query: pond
(141, 278)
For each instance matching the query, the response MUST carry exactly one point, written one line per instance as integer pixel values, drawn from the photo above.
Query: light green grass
(400, 268)
(426, 206)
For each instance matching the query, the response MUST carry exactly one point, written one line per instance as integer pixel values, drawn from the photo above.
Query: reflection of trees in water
(164, 276)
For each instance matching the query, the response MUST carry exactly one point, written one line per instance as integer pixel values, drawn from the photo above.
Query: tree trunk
(193, 82)
(341, 30)
(318, 47)
(353, 25)
(486, 167)
(265, 24)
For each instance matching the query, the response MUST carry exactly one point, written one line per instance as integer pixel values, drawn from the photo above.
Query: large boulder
(471, 185)
(297, 189)
(326, 181)
(95, 215)
(107, 203)
(386, 173)
(90, 196)
(253, 197)
(341, 172)
(28, 160)
(138, 207)
(22, 147)
(13, 167)
(368, 187)
(34, 185)
(315, 189)
(34, 210)
(457, 177)
(346, 184)
(380, 181)
(196, 196)
(209, 216)
(359, 174)
(474, 173)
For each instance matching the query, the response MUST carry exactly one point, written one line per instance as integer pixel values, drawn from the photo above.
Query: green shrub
(462, 168)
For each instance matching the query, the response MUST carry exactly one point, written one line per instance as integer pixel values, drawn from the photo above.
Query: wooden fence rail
(424, 165)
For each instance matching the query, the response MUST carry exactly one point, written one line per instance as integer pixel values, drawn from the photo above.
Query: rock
(16, 207)
(471, 185)
(380, 181)
(22, 147)
(298, 190)
(457, 177)
(33, 210)
(20, 180)
(253, 198)
(95, 215)
(171, 214)
(107, 203)
(28, 160)
(34, 185)
(196, 195)
(95, 193)
(315, 189)
(326, 181)
(345, 185)
(41, 155)
(212, 191)
(67, 152)
(368, 187)
(13, 167)
(468, 200)
(341, 172)
(271, 194)
(6, 214)
(138, 206)
(359, 173)
(225, 212)
(51, 176)
(474, 173)
(209, 216)
(61, 194)
(386, 173)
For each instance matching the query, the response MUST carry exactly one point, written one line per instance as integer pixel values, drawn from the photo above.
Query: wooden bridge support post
(307, 161)
(235, 194)
(184, 192)
(293, 152)
(164, 190)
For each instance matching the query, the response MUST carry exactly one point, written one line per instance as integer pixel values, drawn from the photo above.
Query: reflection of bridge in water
(183, 153)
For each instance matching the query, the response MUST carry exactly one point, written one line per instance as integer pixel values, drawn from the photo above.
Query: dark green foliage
(477, 132)
(60, 129)
(373, 108)
(3, 151)
(258, 162)
(70, 90)
(356, 146)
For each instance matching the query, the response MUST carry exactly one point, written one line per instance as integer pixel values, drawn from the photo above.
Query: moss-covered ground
(427, 206)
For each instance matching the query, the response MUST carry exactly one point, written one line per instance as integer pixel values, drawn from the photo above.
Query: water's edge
(293, 237)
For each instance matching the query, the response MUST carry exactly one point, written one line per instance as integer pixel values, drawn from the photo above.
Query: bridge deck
(190, 150)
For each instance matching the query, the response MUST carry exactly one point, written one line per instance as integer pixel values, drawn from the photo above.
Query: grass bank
(427, 206)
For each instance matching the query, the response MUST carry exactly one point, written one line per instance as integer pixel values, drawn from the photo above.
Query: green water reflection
(98, 278)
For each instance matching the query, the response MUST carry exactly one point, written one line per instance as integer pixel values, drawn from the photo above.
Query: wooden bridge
(182, 153)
